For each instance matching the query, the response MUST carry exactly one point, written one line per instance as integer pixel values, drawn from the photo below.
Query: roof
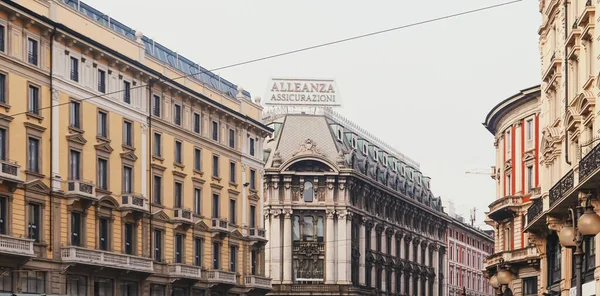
(514, 101)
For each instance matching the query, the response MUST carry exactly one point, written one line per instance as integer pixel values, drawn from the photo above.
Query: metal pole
(578, 252)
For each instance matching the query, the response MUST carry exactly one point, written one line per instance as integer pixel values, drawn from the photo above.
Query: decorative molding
(308, 146)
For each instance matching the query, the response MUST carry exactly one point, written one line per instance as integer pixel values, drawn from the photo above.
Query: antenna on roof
(473, 212)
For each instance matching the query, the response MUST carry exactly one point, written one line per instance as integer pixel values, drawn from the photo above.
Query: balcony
(257, 234)
(257, 282)
(219, 226)
(84, 256)
(14, 246)
(220, 277)
(185, 271)
(81, 189)
(183, 216)
(10, 172)
(134, 202)
(504, 207)
(524, 256)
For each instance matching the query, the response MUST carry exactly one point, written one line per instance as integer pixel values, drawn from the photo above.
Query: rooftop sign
(302, 92)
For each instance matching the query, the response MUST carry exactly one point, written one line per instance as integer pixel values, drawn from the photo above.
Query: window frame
(106, 177)
(214, 130)
(177, 116)
(101, 80)
(178, 152)
(75, 120)
(232, 172)
(232, 138)
(131, 179)
(74, 72)
(30, 111)
(156, 105)
(215, 166)
(106, 124)
(157, 147)
(126, 88)
(197, 159)
(128, 138)
(38, 161)
(36, 40)
(197, 123)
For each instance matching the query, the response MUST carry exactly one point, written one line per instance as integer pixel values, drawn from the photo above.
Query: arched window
(308, 191)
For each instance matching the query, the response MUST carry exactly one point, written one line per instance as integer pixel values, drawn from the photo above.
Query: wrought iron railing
(589, 163)
(561, 187)
(535, 209)
(10, 167)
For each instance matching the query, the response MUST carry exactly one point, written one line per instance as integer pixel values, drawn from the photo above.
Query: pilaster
(362, 249)
(330, 249)
(244, 201)
(287, 247)
(275, 242)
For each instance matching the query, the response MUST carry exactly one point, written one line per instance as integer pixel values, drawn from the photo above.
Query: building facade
(514, 123)
(169, 200)
(468, 248)
(346, 214)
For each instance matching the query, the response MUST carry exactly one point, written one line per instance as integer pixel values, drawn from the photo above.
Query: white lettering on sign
(307, 92)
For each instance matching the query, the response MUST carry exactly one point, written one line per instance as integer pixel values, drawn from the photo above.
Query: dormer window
(376, 154)
(339, 134)
(354, 142)
(385, 160)
(394, 165)
(365, 148)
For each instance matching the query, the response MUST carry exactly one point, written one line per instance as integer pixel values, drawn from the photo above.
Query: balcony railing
(81, 188)
(132, 201)
(254, 281)
(512, 256)
(185, 271)
(72, 254)
(182, 215)
(10, 245)
(589, 163)
(221, 277)
(10, 170)
(219, 224)
(257, 233)
(561, 187)
(535, 209)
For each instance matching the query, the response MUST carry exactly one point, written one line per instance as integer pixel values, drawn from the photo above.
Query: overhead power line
(449, 16)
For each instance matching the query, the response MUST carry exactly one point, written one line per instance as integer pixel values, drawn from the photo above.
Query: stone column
(275, 242)
(362, 249)
(267, 244)
(244, 203)
(287, 247)
(344, 224)
(436, 268)
(330, 249)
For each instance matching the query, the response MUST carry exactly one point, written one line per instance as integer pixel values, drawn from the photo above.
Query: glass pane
(308, 228)
(296, 228)
(320, 229)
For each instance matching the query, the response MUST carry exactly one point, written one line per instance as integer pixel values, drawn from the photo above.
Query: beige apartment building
(125, 168)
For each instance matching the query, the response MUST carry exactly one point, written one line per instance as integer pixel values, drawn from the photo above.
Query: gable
(104, 147)
(129, 155)
(77, 138)
(37, 186)
(161, 215)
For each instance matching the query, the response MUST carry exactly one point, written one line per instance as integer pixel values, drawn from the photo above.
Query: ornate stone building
(346, 214)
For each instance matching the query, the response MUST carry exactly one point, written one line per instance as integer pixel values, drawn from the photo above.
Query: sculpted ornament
(330, 214)
(276, 213)
(342, 184)
(288, 213)
(341, 214)
(308, 146)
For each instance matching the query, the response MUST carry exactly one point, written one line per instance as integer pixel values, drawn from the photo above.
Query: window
(177, 115)
(76, 229)
(102, 174)
(74, 69)
(103, 234)
(178, 248)
(128, 288)
(34, 222)
(127, 179)
(197, 123)
(215, 206)
(178, 195)
(529, 178)
(157, 182)
(75, 114)
(198, 252)
(253, 179)
(157, 290)
(232, 172)
(3, 87)
(233, 259)
(216, 257)
(215, 131)
(308, 191)
(215, 170)
(156, 105)
(157, 145)
(252, 216)
(197, 201)
(554, 260)
(508, 185)
(32, 51)
(178, 153)
(231, 138)
(76, 285)
(3, 143)
(34, 100)
(128, 133)
(378, 242)
(529, 129)
(126, 92)
(232, 217)
(157, 245)
(252, 146)
(74, 165)
(253, 263)
(3, 215)
(129, 236)
(530, 286)
(101, 81)
(2, 38)
(508, 141)
(33, 282)
(102, 124)
(33, 160)
(197, 160)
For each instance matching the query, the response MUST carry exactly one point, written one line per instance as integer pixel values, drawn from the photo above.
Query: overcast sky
(425, 90)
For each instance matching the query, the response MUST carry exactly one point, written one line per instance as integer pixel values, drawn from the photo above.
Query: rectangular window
(156, 105)
(157, 182)
(103, 233)
(74, 69)
(178, 248)
(508, 141)
(3, 215)
(157, 245)
(530, 286)
(33, 160)
(198, 252)
(34, 100)
(233, 259)
(197, 160)
(231, 138)
(529, 129)
(215, 131)
(126, 92)
(102, 124)
(232, 172)
(3, 144)
(2, 38)
(177, 115)
(32, 51)
(253, 179)
(215, 206)
(102, 174)
(178, 195)
(529, 178)
(197, 201)
(508, 185)
(3, 87)
(157, 290)
(129, 235)
(127, 179)
(197, 123)
(232, 217)
(101, 81)
(178, 152)
(252, 216)
(252, 146)
(215, 166)
(76, 229)
(157, 144)
(216, 257)
(128, 133)
(33, 282)
(253, 262)
(34, 222)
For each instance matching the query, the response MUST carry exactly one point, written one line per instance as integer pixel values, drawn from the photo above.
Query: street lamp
(588, 224)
